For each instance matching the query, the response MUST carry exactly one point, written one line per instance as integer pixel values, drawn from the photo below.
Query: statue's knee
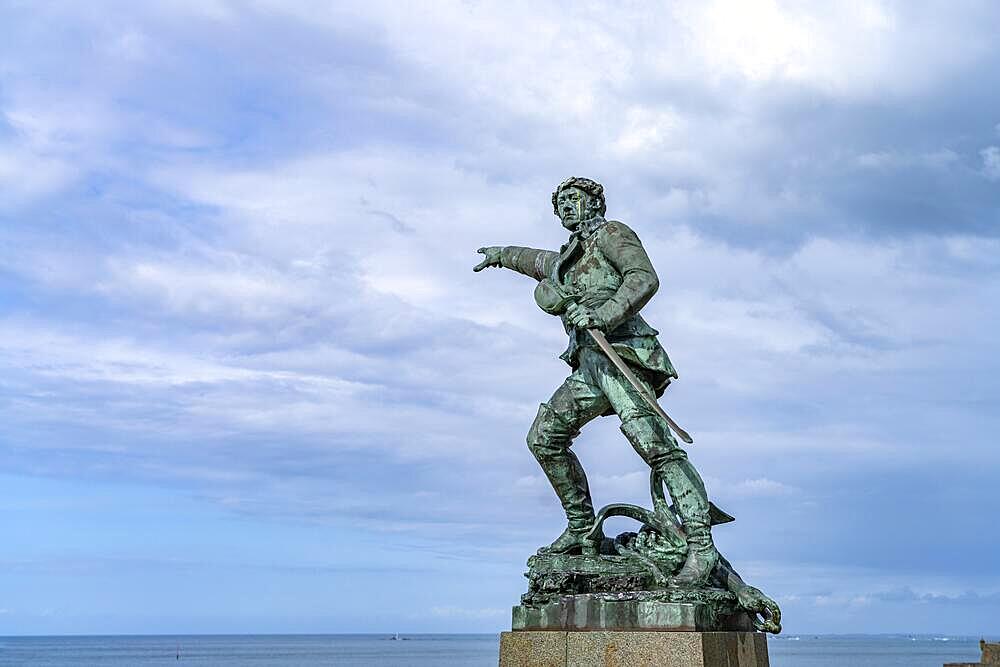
(547, 435)
(535, 439)
(644, 430)
(652, 439)
(636, 412)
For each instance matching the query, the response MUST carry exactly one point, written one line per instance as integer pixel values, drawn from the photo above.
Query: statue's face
(573, 205)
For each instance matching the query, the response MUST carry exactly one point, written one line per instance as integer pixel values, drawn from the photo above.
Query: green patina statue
(597, 283)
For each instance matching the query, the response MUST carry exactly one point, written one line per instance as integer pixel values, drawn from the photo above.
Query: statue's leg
(559, 420)
(651, 438)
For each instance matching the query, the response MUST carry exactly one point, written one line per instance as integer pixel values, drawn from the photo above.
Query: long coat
(605, 267)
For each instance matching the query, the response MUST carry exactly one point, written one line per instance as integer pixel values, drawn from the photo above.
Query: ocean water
(433, 650)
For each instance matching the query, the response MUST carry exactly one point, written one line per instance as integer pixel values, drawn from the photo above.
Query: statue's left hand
(492, 257)
(583, 317)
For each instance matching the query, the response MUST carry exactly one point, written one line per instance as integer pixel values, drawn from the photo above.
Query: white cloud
(851, 49)
(647, 130)
(756, 39)
(991, 162)
(198, 291)
(761, 487)
(25, 175)
(890, 159)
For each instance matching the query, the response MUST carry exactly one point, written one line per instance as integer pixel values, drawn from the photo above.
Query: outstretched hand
(492, 257)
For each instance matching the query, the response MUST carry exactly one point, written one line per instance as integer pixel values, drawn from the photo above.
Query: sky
(249, 382)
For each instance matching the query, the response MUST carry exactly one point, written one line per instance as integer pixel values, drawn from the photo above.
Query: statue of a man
(606, 273)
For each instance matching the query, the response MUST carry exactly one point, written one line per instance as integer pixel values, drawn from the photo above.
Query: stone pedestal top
(602, 612)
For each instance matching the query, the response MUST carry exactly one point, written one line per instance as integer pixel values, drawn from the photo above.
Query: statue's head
(578, 199)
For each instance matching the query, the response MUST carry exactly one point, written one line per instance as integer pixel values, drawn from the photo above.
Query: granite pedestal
(628, 630)
(649, 648)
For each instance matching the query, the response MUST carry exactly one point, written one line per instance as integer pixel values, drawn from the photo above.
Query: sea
(423, 650)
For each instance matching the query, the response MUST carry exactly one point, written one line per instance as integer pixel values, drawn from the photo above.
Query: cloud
(991, 162)
(762, 487)
(24, 175)
(908, 595)
(937, 159)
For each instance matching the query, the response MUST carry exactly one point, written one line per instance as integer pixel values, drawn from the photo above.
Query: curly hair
(591, 187)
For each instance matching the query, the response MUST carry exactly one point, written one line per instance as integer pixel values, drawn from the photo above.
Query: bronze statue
(597, 283)
(607, 278)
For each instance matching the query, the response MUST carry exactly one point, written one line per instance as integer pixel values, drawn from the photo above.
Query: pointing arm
(529, 261)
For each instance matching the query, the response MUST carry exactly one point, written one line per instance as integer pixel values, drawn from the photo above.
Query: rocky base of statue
(627, 586)
(622, 605)
(633, 649)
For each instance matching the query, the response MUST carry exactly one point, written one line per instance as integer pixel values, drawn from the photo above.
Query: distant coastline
(437, 650)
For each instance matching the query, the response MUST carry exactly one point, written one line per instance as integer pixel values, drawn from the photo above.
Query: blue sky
(249, 383)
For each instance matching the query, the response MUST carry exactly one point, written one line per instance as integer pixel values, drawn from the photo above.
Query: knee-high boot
(651, 437)
(549, 439)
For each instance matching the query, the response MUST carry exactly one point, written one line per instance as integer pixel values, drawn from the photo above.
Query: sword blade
(648, 396)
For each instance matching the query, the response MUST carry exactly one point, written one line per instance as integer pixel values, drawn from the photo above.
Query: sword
(647, 394)
(554, 299)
